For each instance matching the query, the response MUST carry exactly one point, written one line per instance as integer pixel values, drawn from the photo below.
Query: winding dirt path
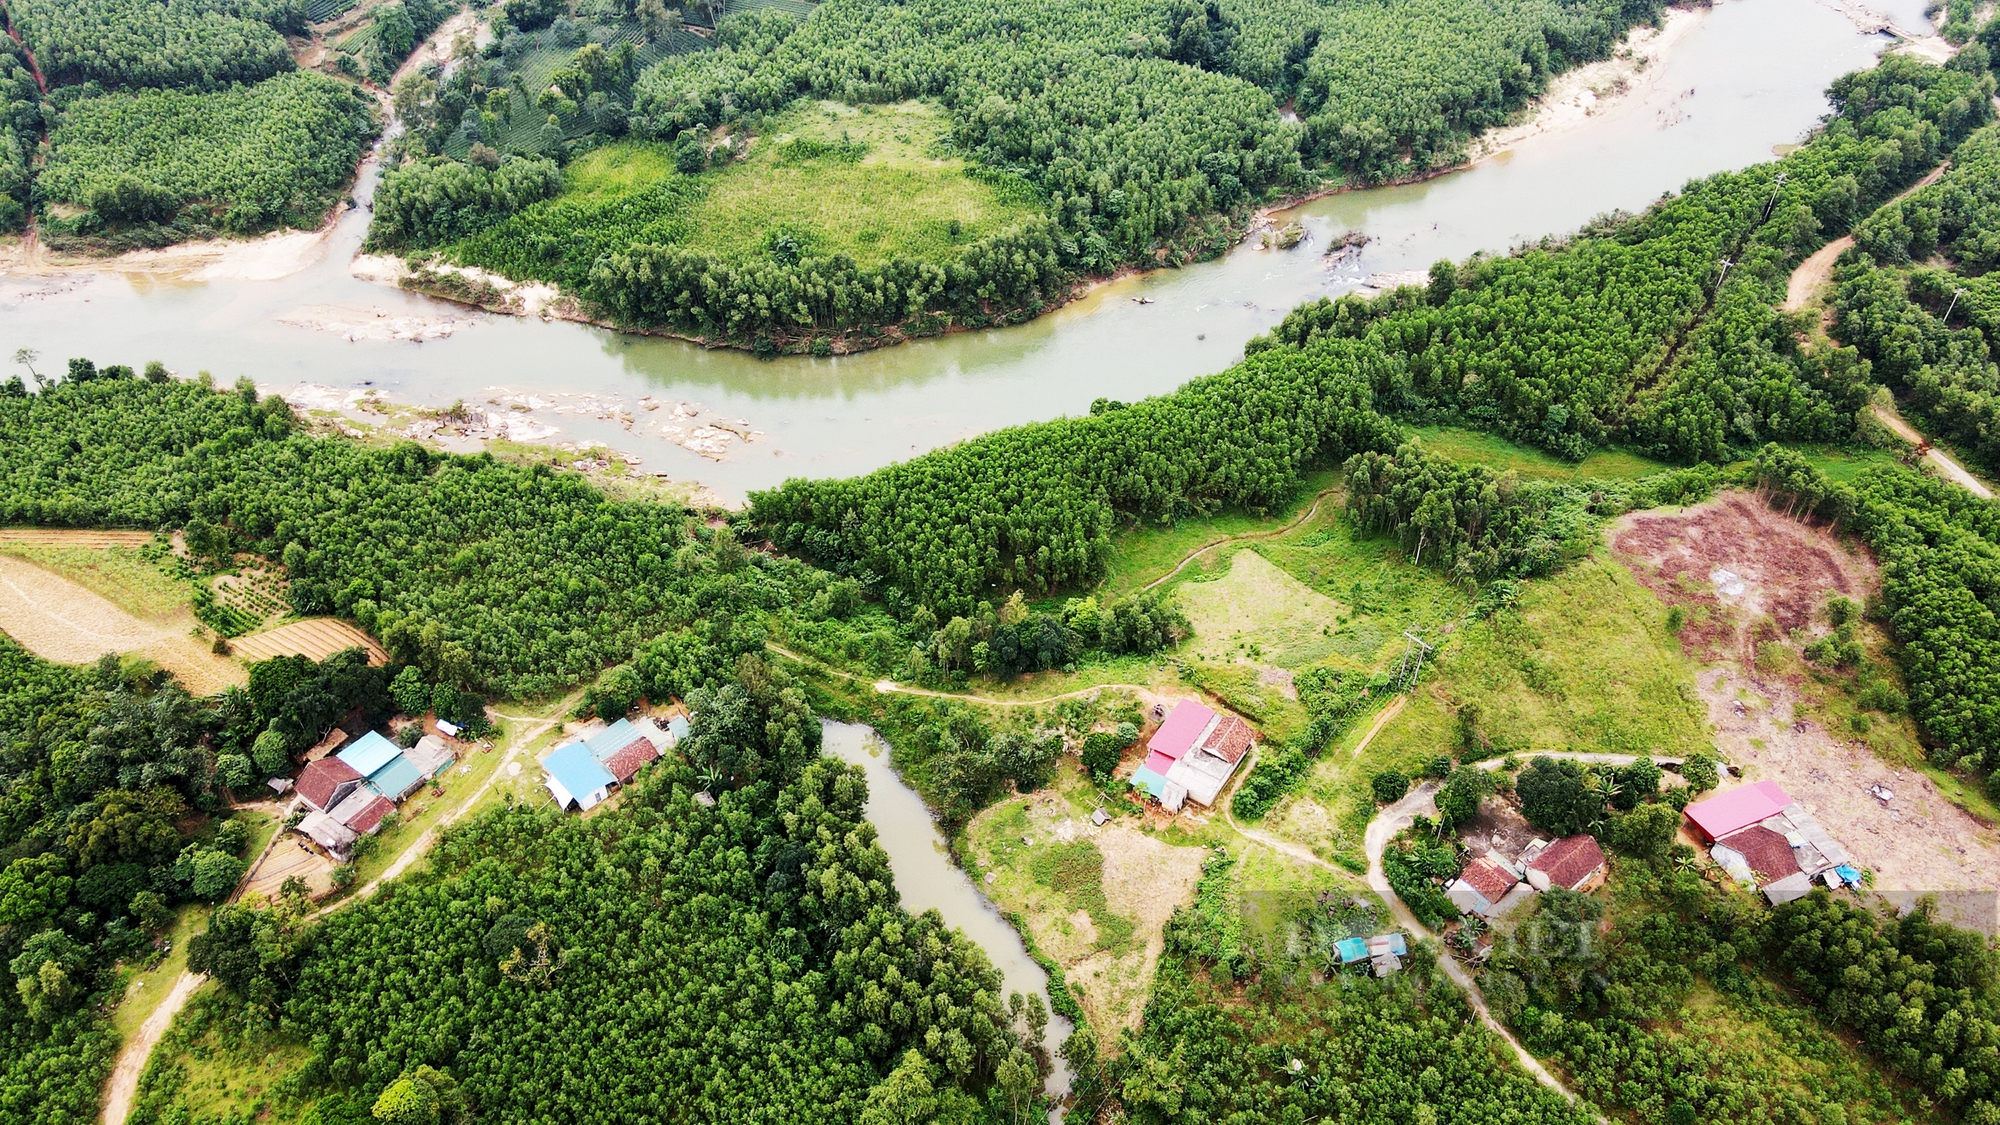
(1246, 537)
(1813, 273)
(132, 1056)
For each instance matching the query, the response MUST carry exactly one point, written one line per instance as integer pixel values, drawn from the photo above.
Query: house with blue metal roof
(397, 779)
(575, 776)
(369, 753)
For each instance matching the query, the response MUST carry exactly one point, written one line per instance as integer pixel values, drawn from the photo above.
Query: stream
(1748, 76)
(927, 879)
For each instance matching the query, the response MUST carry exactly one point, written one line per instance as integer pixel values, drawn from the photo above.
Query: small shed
(574, 776)
(333, 837)
(430, 755)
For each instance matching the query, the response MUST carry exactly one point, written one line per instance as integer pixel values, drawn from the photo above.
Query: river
(927, 879)
(1749, 76)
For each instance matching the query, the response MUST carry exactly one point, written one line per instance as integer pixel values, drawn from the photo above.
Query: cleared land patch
(1096, 899)
(1785, 719)
(1256, 605)
(863, 183)
(60, 620)
(317, 637)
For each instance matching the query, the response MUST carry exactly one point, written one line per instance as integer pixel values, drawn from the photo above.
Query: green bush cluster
(429, 203)
(239, 159)
(206, 44)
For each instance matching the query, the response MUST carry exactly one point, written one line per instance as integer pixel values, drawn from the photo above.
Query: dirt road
(1813, 273)
(1951, 470)
(132, 1057)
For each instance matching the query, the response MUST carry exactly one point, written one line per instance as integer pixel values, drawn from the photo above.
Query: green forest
(1139, 131)
(729, 935)
(136, 123)
(1620, 334)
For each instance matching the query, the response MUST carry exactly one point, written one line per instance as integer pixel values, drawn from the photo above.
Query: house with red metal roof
(1737, 809)
(1480, 887)
(1192, 756)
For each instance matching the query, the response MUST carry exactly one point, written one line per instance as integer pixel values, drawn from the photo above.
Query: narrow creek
(1748, 76)
(927, 879)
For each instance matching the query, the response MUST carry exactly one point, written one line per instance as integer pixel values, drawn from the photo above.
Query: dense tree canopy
(201, 43)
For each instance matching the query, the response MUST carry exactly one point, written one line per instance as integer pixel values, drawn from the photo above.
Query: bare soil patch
(1751, 575)
(1748, 573)
(59, 620)
(1144, 880)
(1916, 843)
(316, 637)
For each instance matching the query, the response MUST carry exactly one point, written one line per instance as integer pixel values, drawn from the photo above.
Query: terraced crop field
(316, 637)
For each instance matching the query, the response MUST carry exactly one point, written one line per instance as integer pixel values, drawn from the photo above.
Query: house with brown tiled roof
(1480, 887)
(627, 760)
(1574, 863)
(1765, 852)
(327, 782)
(363, 810)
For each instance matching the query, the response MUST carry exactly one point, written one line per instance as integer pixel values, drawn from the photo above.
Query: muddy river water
(927, 879)
(1747, 76)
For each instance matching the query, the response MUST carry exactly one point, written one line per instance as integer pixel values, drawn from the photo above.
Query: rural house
(1480, 888)
(1192, 756)
(333, 837)
(1763, 838)
(1574, 863)
(574, 776)
(582, 772)
(327, 782)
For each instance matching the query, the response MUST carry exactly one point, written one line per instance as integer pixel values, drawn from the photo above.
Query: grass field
(824, 179)
(897, 199)
(1472, 447)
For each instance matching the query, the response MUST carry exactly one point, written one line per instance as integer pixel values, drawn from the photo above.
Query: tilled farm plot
(316, 637)
(59, 620)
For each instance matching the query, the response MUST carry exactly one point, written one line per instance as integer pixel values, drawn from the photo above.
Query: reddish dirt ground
(1915, 843)
(1787, 571)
